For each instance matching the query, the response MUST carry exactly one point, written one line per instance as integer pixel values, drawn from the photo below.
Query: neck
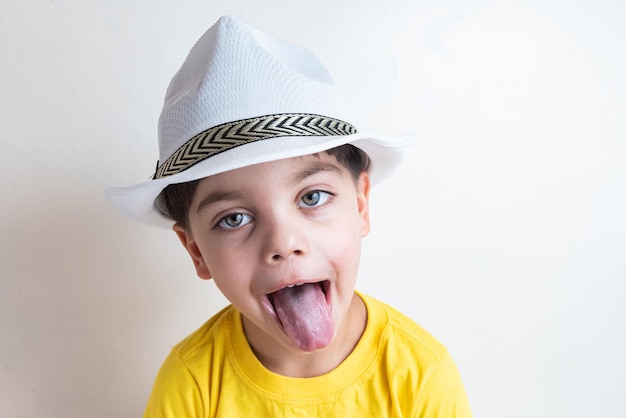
(296, 363)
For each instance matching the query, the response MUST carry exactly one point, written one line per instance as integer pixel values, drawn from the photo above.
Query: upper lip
(295, 283)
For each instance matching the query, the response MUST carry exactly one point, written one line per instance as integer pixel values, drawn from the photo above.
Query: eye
(234, 220)
(314, 198)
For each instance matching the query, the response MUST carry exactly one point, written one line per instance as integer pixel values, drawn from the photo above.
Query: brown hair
(176, 198)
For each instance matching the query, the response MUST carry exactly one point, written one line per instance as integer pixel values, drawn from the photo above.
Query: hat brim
(139, 201)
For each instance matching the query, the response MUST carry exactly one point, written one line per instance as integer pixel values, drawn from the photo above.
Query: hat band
(233, 134)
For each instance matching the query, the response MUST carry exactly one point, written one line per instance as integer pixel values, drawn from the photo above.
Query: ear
(363, 199)
(190, 245)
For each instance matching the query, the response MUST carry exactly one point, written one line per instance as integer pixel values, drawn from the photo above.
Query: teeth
(297, 284)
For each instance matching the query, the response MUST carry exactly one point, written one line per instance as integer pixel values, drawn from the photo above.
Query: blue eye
(234, 220)
(314, 198)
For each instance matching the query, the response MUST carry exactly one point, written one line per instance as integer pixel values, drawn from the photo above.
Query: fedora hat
(243, 97)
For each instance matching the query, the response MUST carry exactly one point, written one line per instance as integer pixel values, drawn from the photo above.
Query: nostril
(277, 257)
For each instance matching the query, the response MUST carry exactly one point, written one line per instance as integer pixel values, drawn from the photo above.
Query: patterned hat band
(288, 99)
(233, 134)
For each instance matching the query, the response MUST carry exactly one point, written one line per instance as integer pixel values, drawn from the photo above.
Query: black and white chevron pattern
(233, 134)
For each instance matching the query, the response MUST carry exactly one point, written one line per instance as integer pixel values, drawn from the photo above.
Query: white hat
(240, 98)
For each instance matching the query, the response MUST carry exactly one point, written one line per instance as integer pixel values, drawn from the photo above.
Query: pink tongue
(305, 315)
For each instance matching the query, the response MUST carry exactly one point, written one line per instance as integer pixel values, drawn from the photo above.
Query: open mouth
(324, 286)
(304, 312)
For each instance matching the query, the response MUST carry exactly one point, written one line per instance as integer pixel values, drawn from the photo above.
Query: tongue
(305, 315)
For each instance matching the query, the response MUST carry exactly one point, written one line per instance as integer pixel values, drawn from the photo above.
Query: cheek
(344, 246)
(232, 284)
(228, 270)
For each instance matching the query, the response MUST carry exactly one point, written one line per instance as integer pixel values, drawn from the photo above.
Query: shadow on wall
(85, 317)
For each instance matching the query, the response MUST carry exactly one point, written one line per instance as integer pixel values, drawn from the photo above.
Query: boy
(268, 188)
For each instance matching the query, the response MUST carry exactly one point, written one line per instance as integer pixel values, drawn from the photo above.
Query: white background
(504, 234)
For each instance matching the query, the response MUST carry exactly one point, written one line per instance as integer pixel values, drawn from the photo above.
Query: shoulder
(209, 337)
(418, 368)
(402, 333)
(193, 358)
(180, 388)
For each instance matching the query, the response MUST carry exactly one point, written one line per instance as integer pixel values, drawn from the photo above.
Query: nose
(284, 238)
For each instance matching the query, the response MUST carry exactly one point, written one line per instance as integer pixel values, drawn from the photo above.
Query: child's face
(258, 230)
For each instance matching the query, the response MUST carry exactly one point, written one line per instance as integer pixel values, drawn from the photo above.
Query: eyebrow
(217, 196)
(313, 169)
(297, 177)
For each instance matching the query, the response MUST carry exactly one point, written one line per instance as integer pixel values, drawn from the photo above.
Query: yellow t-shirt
(397, 369)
